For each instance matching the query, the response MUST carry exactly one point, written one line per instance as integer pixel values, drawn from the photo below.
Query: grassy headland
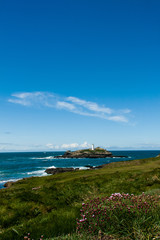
(50, 205)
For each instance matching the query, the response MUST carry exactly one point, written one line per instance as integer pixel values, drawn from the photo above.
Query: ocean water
(14, 166)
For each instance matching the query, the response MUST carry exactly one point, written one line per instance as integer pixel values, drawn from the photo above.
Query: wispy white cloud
(65, 105)
(34, 98)
(12, 147)
(119, 118)
(65, 146)
(124, 110)
(7, 146)
(72, 104)
(89, 105)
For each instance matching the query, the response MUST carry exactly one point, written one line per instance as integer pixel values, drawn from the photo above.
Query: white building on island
(92, 147)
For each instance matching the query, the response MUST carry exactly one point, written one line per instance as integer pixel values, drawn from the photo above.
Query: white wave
(10, 180)
(83, 168)
(3, 181)
(52, 167)
(50, 157)
(39, 172)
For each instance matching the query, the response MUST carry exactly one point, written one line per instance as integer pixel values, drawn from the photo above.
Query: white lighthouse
(92, 147)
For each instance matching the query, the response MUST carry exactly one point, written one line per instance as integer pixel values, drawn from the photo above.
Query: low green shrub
(122, 214)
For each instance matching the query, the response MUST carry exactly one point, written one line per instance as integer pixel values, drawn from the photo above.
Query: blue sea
(14, 166)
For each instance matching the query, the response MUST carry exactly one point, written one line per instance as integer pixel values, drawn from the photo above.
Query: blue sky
(79, 72)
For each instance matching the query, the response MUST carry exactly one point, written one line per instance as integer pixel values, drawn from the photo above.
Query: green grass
(51, 208)
(96, 150)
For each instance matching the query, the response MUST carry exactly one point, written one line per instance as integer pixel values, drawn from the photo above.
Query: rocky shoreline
(54, 171)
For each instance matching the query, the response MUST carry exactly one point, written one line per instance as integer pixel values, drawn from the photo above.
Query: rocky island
(88, 153)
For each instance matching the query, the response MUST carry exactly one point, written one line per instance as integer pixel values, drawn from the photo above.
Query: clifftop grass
(50, 205)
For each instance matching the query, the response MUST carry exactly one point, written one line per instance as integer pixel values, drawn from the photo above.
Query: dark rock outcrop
(60, 170)
(8, 184)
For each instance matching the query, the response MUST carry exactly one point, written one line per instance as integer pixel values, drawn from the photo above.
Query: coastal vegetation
(56, 206)
(97, 149)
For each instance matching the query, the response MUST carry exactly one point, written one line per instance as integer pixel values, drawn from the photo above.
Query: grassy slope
(52, 208)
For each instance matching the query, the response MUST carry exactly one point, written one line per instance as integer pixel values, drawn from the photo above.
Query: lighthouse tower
(92, 147)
